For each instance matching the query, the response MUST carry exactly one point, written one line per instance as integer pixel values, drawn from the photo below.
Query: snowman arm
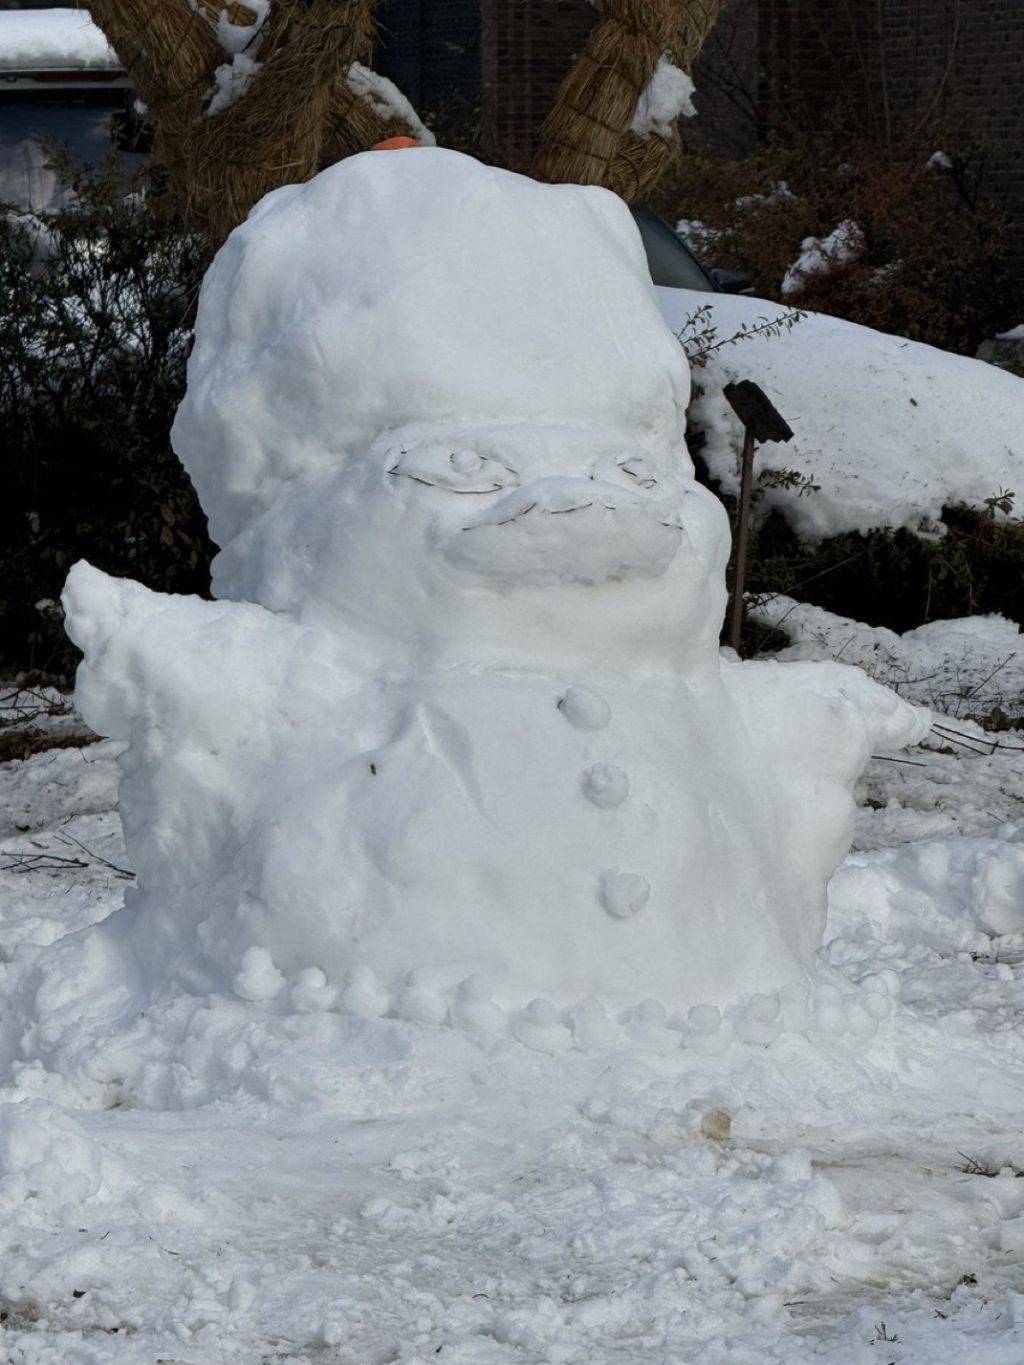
(153, 661)
(826, 717)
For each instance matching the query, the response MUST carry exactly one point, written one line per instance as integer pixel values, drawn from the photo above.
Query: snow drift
(459, 715)
(890, 430)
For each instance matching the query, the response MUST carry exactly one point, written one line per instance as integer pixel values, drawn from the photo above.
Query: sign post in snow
(761, 422)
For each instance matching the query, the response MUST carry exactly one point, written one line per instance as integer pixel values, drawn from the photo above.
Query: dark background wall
(915, 70)
(431, 50)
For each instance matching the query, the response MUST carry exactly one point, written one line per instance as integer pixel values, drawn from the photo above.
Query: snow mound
(890, 430)
(961, 894)
(462, 746)
(971, 664)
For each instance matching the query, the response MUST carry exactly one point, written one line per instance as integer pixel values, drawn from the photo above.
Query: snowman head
(436, 403)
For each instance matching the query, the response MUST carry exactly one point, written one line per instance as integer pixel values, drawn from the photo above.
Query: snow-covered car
(60, 81)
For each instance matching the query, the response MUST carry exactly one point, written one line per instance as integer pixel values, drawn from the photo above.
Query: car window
(27, 128)
(671, 263)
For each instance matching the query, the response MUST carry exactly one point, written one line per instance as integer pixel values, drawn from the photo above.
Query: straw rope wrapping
(587, 139)
(296, 114)
(272, 134)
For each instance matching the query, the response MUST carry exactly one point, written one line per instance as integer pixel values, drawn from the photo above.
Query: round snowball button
(624, 894)
(585, 709)
(605, 785)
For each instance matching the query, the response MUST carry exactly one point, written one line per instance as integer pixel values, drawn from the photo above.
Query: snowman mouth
(567, 531)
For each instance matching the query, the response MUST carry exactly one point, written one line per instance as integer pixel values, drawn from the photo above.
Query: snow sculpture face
(483, 394)
(461, 708)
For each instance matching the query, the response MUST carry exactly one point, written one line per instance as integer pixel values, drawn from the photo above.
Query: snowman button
(585, 709)
(605, 785)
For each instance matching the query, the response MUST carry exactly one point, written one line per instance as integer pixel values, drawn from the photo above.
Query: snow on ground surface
(51, 39)
(889, 429)
(321, 1177)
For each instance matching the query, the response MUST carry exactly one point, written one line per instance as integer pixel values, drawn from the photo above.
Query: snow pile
(231, 80)
(822, 255)
(385, 98)
(220, 1179)
(459, 525)
(667, 98)
(890, 430)
(969, 665)
(53, 39)
(964, 895)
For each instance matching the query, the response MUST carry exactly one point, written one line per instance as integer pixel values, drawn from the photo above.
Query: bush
(98, 305)
(933, 245)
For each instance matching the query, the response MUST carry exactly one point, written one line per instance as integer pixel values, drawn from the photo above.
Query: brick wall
(528, 47)
(431, 50)
(918, 73)
(923, 69)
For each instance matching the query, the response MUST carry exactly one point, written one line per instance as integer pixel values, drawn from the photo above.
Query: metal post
(742, 528)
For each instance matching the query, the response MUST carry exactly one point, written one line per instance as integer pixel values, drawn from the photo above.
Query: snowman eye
(461, 470)
(638, 472)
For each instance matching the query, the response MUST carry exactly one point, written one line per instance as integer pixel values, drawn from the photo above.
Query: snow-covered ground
(307, 1179)
(889, 430)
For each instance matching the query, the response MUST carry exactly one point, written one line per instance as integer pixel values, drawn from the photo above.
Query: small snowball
(705, 1018)
(474, 1008)
(649, 1030)
(258, 978)
(311, 994)
(585, 709)
(624, 894)
(760, 1020)
(605, 785)
(592, 1029)
(420, 999)
(363, 994)
(538, 1027)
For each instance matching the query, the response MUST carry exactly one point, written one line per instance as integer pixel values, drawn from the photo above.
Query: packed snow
(323, 1046)
(969, 666)
(292, 1170)
(436, 558)
(667, 98)
(52, 39)
(388, 101)
(822, 255)
(890, 430)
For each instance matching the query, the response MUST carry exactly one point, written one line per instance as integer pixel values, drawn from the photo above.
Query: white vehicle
(60, 81)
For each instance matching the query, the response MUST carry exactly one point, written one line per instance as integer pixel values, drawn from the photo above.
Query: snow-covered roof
(53, 40)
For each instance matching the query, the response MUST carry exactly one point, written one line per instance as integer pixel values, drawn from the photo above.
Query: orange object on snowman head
(394, 144)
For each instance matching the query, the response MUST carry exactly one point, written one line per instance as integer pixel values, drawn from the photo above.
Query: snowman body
(460, 707)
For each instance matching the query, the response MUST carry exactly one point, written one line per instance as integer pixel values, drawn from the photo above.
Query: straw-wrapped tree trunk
(613, 122)
(247, 95)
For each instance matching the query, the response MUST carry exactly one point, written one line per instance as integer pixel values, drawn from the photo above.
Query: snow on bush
(385, 98)
(890, 430)
(820, 255)
(459, 715)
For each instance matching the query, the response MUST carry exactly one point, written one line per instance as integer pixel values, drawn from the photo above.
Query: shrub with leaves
(913, 246)
(98, 302)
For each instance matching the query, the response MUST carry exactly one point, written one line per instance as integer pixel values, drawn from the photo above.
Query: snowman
(459, 709)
